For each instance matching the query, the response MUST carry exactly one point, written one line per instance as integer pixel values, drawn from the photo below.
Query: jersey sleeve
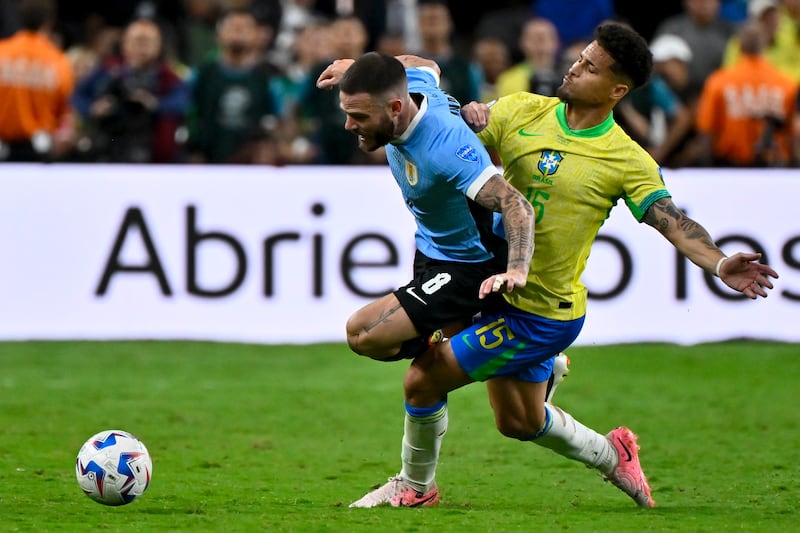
(421, 78)
(645, 184)
(464, 160)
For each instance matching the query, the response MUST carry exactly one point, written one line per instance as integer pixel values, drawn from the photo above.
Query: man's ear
(619, 91)
(395, 106)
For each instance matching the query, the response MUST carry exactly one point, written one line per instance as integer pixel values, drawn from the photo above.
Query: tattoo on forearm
(517, 218)
(665, 216)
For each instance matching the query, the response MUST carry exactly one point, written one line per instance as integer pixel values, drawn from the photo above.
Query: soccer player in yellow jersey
(573, 163)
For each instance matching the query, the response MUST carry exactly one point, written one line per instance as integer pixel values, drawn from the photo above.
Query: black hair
(630, 52)
(373, 73)
(233, 12)
(34, 14)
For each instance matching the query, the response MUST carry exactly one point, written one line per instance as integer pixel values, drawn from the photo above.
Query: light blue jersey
(440, 165)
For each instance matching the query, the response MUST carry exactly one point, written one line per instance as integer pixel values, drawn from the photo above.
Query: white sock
(422, 439)
(568, 437)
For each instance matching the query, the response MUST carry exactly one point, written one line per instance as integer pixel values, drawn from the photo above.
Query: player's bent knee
(419, 387)
(518, 428)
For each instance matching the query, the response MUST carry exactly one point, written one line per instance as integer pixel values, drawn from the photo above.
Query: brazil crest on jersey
(440, 165)
(572, 178)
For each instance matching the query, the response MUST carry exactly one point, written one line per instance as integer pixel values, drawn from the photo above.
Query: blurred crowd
(232, 81)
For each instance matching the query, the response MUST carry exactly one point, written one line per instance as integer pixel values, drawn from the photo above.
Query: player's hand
(332, 75)
(506, 282)
(742, 272)
(476, 115)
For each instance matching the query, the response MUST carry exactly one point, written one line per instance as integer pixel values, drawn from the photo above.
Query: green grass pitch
(283, 438)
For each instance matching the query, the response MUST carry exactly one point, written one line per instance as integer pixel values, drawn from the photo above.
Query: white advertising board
(284, 255)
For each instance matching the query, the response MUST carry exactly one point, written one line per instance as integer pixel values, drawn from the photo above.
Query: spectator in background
(233, 111)
(372, 14)
(133, 104)
(197, 30)
(706, 34)
(653, 114)
(746, 112)
(320, 109)
(787, 37)
(780, 24)
(36, 81)
(391, 44)
(671, 58)
(460, 78)
(83, 60)
(268, 15)
(506, 25)
(493, 58)
(297, 14)
(310, 48)
(538, 72)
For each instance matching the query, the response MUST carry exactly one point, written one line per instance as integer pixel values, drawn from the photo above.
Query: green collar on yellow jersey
(594, 131)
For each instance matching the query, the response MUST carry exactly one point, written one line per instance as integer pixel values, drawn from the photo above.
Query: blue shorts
(511, 342)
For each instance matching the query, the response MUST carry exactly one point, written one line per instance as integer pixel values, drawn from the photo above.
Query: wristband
(719, 265)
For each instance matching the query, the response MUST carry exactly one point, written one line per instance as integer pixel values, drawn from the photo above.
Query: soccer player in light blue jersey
(451, 187)
(573, 163)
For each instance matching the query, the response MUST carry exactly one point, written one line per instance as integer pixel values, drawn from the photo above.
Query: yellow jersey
(572, 178)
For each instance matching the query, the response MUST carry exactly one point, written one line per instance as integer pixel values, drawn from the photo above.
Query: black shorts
(445, 292)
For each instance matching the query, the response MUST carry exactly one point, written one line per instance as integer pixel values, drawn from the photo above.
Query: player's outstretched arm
(741, 271)
(332, 75)
(412, 61)
(518, 220)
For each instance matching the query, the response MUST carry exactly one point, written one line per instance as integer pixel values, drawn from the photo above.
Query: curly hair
(631, 54)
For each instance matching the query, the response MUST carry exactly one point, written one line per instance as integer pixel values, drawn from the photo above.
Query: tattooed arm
(498, 195)
(689, 237)
(741, 271)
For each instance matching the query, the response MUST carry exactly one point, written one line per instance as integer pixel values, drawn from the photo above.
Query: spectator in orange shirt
(36, 82)
(746, 112)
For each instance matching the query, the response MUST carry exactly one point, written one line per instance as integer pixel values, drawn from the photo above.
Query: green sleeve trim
(639, 210)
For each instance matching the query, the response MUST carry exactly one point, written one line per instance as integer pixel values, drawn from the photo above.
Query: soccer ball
(113, 467)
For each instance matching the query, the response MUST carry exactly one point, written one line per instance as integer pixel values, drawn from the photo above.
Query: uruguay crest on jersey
(412, 176)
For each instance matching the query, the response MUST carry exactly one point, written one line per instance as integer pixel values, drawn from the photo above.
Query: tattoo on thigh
(384, 318)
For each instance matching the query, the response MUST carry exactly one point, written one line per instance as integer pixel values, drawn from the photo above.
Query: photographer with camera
(133, 104)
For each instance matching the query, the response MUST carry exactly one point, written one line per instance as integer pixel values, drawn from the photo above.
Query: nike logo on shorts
(412, 292)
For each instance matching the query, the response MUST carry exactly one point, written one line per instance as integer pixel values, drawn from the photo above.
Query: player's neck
(410, 109)
(583, 117)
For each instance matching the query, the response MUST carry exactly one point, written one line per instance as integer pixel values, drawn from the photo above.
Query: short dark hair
(34, 14)
(235, 12)
(373, 73)
(630, 52)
